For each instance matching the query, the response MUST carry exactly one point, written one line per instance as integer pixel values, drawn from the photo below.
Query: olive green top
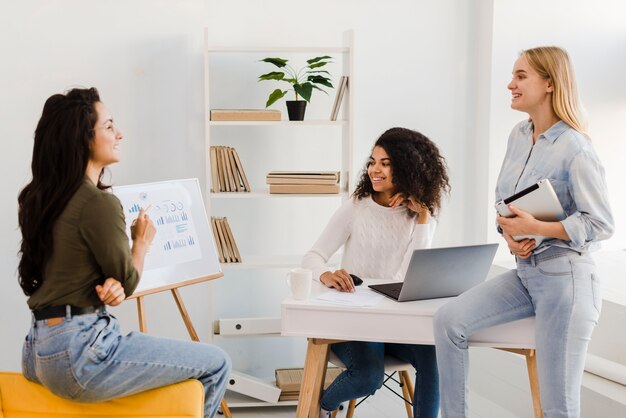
(90, 245)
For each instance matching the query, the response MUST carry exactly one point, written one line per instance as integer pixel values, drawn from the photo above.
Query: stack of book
(227, 173)
(245, 115)
(227, 250)
(303, 181)
(290, 380)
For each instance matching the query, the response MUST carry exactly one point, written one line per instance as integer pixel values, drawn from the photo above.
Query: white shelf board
(237, 400)
(265, 194)
(311, 122)
(303, 49)
(250, 336)
(273, 262)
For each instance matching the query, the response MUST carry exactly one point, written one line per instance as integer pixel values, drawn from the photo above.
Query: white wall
(145, 56)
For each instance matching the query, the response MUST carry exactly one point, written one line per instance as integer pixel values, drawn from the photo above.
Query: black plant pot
(295, 109)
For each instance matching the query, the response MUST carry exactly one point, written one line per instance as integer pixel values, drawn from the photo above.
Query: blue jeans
(86, 359)
(558, 286)
(364, 374)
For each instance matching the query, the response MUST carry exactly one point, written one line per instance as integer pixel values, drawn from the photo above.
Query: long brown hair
(61, 152)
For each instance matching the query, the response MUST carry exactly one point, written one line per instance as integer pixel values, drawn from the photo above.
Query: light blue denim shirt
(567, 158)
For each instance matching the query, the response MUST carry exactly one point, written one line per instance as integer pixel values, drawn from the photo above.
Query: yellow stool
(20, 398)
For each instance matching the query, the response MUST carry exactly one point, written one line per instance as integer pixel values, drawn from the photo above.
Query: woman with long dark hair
(75, 260)
(388, 216)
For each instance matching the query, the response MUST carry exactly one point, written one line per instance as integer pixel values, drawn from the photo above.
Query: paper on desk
(361, 297)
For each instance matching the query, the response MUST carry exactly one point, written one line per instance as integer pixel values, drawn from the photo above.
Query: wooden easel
(183, 312)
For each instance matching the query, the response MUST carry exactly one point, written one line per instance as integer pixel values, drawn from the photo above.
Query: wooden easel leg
(225, 409)
(533, 378)
(183, 312)
(194, 336)
(142, 315)
(312, 380)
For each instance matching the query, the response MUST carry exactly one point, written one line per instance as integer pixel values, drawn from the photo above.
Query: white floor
(383, 404)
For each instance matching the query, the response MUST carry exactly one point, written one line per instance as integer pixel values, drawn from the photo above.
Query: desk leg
(312, 380)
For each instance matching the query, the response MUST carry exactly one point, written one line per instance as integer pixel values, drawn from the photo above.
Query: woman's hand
(423, 214)
(111, 292)
(142, 230)
(520, 249)
(340, 280)
(523, 223)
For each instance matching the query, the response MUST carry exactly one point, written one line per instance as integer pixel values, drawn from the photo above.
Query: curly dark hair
(60, 155)
(418, 169)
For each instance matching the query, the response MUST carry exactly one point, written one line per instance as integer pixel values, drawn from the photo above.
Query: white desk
(389, 321)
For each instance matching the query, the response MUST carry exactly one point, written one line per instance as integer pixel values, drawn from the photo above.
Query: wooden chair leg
(409, 384)
(225, 409)
(533, 379)
(351, 407)
(406, 393)
(334, 413)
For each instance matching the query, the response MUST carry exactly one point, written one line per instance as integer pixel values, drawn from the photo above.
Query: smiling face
(105, 144)
(380, 171)
(530, 92)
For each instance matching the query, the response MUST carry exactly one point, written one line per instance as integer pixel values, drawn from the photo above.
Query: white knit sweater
(378, 241)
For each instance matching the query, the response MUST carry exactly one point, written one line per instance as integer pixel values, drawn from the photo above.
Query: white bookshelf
(224, 90)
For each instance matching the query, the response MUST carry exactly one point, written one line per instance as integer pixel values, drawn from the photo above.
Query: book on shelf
(240, 172)
(341, 88)
(233, 168)
(304, 188)
(227, 174)
(290, 180)
(218, 243)
(231, 239)
(327, 175)
(245, 115)
(289, 381)
(215, 181)
(227, 250)
(230, 180)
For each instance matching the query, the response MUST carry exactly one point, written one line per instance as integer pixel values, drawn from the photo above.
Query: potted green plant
(303, 81)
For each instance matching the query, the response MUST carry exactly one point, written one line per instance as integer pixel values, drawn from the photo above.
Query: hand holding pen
(142, 230)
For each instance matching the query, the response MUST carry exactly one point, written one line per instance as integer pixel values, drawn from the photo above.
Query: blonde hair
(553, 63)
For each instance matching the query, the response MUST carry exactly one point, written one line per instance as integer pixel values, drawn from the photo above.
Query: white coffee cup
(299, 281)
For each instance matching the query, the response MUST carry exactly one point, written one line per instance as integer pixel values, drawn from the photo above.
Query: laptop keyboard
(395, 290)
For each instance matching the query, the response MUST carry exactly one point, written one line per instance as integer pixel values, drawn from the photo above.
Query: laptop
(441, 272)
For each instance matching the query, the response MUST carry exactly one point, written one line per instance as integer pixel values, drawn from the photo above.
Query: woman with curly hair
(389, 216)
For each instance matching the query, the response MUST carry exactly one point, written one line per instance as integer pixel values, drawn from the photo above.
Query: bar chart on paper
(176, 236)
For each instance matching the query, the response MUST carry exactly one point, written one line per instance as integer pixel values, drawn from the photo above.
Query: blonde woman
(555, 281)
